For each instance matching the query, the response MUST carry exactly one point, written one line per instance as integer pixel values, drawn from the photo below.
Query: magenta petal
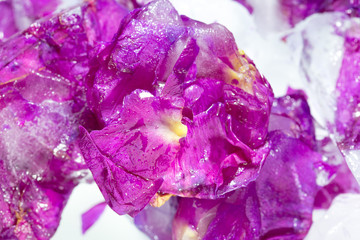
(180, 104)
(291, 114)
(234, 217)
(130, 157)
(142, 42)
(153, 44)
(156, 222)
(237, 217)
(277, 205)
(286, 188)
(221, 161)
(129, 193)
(143, 140)
(92, 215)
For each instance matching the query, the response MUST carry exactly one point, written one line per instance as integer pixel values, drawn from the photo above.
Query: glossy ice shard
(348, 100)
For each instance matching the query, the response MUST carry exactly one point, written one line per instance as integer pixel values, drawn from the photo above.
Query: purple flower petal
(129, 193)
(178, 106)
(156, 222)
(277, 205)
(129, 63)
(291, 114)
(221, 162)
(286, 188)
(92, 215)
(236, 216)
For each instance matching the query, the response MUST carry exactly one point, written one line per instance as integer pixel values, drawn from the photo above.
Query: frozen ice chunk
(318, 51)
(327, 50)
(340, 221)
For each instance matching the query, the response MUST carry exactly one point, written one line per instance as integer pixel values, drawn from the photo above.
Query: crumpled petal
(178, 106)
(129, 62)
(152, 43)
(129, 193)
(146, 142)
(277, 205)
(291, 114)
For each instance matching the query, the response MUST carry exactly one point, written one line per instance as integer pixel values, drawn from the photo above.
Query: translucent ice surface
(326, 48)
(318, 51)
(340, 221)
